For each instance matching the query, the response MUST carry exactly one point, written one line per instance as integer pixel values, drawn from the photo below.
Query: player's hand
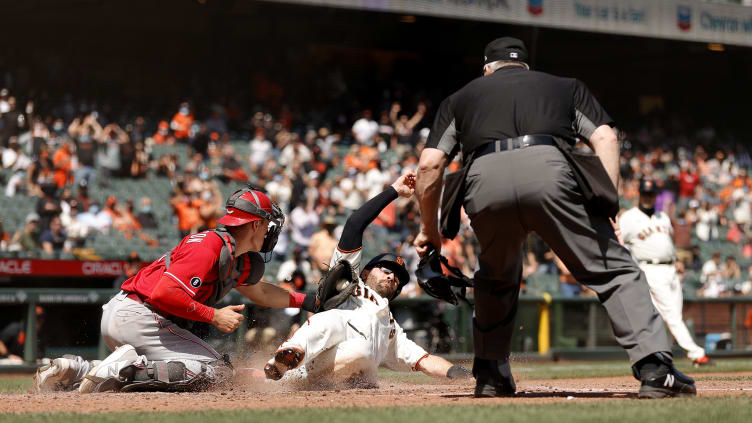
(228, 319)
(617, 229)
(425, 241)
(405, 184)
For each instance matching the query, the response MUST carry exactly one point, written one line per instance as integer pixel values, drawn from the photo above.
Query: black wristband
(309, 303)
(458, 372)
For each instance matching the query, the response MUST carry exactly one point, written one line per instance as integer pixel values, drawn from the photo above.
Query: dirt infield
(245, 394)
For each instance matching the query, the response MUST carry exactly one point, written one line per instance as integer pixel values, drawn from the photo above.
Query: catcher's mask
(250, 204)
(437, 283)
(396, 264)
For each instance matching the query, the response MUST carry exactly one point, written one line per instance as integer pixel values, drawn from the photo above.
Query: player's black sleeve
(352, 233)
(443, 135)
(588, 113)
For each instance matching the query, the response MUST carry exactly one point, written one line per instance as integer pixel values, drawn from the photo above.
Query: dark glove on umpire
(459, 372)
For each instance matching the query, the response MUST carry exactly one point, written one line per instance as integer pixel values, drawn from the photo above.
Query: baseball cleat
(284, 360)
(702, 361)
(105, 376)
(672, 384)
(56, 376)
(493, 378)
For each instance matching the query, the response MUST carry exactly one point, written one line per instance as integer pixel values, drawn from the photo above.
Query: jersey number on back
(197, 237)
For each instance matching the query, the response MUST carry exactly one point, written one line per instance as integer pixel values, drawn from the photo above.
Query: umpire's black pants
(514, 192)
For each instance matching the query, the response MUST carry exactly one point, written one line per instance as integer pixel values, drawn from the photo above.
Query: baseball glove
(336, 285)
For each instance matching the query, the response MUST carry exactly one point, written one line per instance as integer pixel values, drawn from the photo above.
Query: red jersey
(193, 268)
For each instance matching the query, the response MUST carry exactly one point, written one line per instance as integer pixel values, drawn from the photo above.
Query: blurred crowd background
(83, 183)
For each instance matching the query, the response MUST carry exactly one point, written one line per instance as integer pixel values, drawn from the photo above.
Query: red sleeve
(170, 298)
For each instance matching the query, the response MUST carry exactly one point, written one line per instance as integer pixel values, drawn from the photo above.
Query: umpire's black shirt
(512, 102)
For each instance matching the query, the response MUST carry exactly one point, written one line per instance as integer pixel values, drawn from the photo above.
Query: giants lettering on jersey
(666, 229)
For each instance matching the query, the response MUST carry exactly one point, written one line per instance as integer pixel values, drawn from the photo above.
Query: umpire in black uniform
(518, 182)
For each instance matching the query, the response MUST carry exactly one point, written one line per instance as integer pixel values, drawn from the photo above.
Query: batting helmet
(648, 186)
(396, 264)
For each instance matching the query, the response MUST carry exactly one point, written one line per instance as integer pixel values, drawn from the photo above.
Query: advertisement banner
(33, 267)
(689, 20)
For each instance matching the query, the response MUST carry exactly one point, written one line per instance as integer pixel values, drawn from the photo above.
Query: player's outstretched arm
(268, 295)
(435, 366)
(352, 234)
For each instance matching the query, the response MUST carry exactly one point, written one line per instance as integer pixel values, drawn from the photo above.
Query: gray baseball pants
(514, 192)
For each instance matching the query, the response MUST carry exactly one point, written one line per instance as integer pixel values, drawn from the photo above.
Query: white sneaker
(57, 376)
(106, 375)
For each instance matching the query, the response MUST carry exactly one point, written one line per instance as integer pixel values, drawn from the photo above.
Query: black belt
(513, 143)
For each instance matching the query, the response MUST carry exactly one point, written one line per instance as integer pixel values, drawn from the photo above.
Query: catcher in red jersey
(147, 325)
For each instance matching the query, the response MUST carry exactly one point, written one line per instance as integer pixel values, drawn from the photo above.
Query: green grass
(717, 409)
(14, 385)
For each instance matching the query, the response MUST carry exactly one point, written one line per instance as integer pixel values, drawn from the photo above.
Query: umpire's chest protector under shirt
(512, 102)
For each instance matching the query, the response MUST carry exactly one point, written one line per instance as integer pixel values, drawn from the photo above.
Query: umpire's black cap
(505, 48)
(393, 262)
(648, 186)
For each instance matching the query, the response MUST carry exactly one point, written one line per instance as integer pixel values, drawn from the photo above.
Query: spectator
(707, 222)
(730, 270)
(53, 239)
(27, 239)
(77, 231)
(63, 165)
(48, 207)
(711, 277)
(261, 150)
(163, 136)
(303, 221)
(108, 155)
(182, 121)
(15, 160)
(4, 237)
(94, 218)
(145, 215)
(87, 133)
(186, 207)
(323, 244)
(688, 182)
(403, 127)
(297, 263)
(365, 128)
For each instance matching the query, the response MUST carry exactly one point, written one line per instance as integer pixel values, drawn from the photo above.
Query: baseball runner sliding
(346, 344)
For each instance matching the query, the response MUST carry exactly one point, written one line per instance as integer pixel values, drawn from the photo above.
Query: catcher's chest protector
(231, 271)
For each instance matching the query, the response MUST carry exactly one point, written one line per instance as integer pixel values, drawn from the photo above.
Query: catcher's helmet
(250, 204)
(396, 264)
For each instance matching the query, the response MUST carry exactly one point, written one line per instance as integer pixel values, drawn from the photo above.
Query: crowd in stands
(318, 175)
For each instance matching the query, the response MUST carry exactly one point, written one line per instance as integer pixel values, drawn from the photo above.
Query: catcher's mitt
(336, 285)
(438, 284)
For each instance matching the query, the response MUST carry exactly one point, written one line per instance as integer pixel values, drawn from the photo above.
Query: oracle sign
(15, 267)
(74, 268)
(103, 268)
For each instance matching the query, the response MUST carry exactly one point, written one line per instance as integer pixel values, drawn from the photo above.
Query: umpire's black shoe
(493, 378)
(660, 379)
